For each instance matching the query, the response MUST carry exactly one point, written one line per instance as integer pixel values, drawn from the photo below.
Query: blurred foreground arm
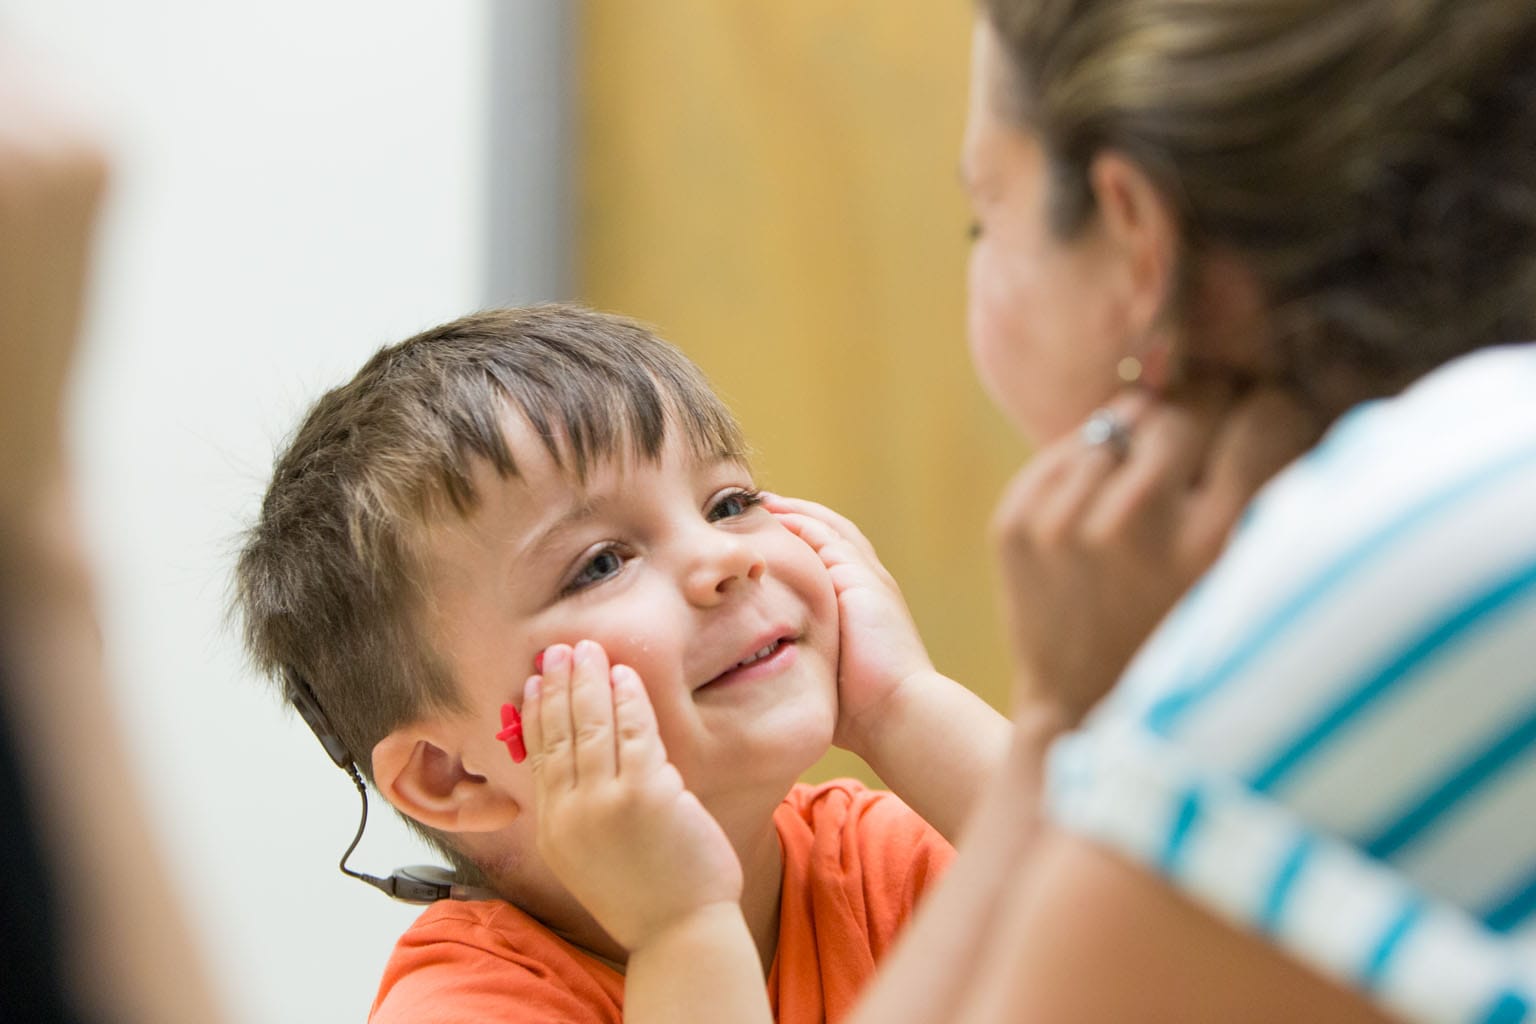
(1036, 924)
(128, 955)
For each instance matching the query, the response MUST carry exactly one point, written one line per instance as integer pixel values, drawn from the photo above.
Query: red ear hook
(512, 733)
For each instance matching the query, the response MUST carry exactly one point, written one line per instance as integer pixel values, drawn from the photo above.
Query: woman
(1309, 797)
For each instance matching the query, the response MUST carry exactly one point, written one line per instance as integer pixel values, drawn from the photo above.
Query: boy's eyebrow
(545, 537)
(590, 506)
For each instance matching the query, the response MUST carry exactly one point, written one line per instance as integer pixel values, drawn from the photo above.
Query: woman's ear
(1142, 233)
(418, 773)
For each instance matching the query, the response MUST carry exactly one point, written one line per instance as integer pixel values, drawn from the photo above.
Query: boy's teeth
(758, 655)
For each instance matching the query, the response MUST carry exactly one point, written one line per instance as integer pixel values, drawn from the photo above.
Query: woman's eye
(599, 567)
(973, 231)
(736, 503)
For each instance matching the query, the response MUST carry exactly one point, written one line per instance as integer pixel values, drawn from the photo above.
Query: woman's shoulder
(1436, 483)
(1348, 696)
(1444, 427)
(1391, 562)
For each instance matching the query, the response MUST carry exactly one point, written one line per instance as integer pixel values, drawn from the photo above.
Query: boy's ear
(427, 782)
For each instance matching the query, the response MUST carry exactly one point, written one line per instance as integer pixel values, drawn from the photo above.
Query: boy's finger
(833, 549)
(592, 714)
(533, 735)
(553, 760)
(838, 523)
(816, 534)
(639, 740)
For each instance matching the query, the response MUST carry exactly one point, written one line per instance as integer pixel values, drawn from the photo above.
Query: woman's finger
(1265, 432)
(1088, 462)
(1166, 456)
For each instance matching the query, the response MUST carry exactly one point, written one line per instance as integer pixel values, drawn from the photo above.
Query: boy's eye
(599, 567)
(733, 504)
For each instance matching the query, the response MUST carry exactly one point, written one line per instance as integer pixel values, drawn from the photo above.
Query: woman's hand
(1097, 545)
(616, 824)
(52, 175)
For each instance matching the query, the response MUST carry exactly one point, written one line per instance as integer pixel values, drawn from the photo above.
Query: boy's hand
(881, 650)
(1096, 546)
(616, 824)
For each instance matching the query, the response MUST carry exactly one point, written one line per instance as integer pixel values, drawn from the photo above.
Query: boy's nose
(722, 564)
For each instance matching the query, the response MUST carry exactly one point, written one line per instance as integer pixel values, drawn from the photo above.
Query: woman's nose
(722, 563)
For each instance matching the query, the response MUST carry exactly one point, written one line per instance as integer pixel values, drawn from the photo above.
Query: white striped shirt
(1332, 740)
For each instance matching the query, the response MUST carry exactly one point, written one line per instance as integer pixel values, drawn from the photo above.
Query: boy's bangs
(590, 396)
(582, 426)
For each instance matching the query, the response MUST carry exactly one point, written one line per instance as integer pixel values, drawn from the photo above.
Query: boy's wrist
(869, 734)
(704, 924)
(702, 966)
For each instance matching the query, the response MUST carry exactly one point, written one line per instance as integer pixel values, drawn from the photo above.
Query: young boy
(557, 487)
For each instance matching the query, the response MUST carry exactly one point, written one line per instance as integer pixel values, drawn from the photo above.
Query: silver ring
(1108, 429)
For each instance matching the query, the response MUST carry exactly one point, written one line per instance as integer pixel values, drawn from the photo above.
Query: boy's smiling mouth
(766, 657)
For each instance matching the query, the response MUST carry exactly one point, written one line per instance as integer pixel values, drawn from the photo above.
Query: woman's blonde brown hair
(1372, 161)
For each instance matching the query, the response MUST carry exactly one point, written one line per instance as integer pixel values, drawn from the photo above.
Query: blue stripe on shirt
(1483, 767)
(1509, 1008)
(1183, 825)
(1166, 714)
(1285, 881)
(1509, 911)
(1375, 968)
(1402, 665)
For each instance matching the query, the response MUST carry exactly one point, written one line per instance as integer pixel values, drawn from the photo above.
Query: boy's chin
(798, 746)
(775, 756)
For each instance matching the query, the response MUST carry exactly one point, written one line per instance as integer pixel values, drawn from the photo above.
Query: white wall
(298, 182)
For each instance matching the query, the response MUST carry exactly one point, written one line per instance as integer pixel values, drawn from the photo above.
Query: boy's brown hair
(328, 579)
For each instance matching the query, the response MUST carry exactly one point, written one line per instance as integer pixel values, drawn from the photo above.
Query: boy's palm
(880, 645)
(616, 823)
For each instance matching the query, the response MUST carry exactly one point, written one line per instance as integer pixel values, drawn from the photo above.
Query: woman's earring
(1129, 370)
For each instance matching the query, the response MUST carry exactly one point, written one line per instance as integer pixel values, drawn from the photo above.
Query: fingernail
(512, 733)
(585, 649)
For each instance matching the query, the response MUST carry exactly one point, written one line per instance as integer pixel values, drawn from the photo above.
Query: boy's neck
(762, 874)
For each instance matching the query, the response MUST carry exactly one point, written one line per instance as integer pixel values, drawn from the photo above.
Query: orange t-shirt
(855, 862)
